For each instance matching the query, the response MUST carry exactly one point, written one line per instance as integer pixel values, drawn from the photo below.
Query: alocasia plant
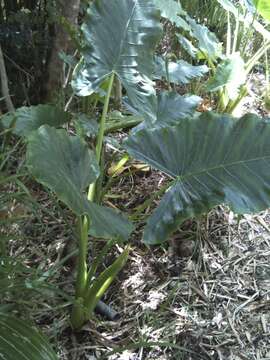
(238, 60)
(173, 11)
(230, 77)
(119, 39)
(64, 164)
(211, 159)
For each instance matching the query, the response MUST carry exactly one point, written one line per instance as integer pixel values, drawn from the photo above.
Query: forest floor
(204, 295)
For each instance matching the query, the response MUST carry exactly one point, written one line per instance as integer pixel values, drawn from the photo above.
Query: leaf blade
(120, 37)
(231, 74)
(215, 159)
(263, 7)
(27, 119)
(18, 340)
(65, 165)
(180, 72)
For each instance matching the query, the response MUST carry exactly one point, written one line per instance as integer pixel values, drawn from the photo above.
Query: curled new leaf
(213, 159)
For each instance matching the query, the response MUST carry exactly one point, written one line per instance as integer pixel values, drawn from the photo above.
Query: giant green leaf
(86, 126)
(20, 341)
(230, 74)
(171, 109)
(213, 159)
(263, 7)
(207, 41)
(179, 72)
(187, 45)
(119, 37)
(65, 165)
(173, 11)
(26, 119)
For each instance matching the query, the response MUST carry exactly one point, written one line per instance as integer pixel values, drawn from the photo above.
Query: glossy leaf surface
(207, 40)
(66, 166)
(187, 45)
(179, 72)
(213, 159)
(171, 109)
(20, 341)
(119, 37)
(173, 11)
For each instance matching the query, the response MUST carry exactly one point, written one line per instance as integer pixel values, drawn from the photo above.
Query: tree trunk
(4, 83)
(11, 6)
(62, 42)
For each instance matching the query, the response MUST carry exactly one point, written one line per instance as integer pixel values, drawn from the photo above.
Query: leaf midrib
(124, 37)
(184, 177)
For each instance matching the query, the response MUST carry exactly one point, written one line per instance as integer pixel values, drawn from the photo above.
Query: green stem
(122, 124)
(167, 73)
(267, 72)
(229, 34)
(222, 100)
(256, 57)
(211, 64)
(78, 310)
(103, 119)
(232, 105)
(98, 260)
(248, 37)
(236, 35)
(92, 187)
(78, 315)
(81, 281)
(103, 281)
